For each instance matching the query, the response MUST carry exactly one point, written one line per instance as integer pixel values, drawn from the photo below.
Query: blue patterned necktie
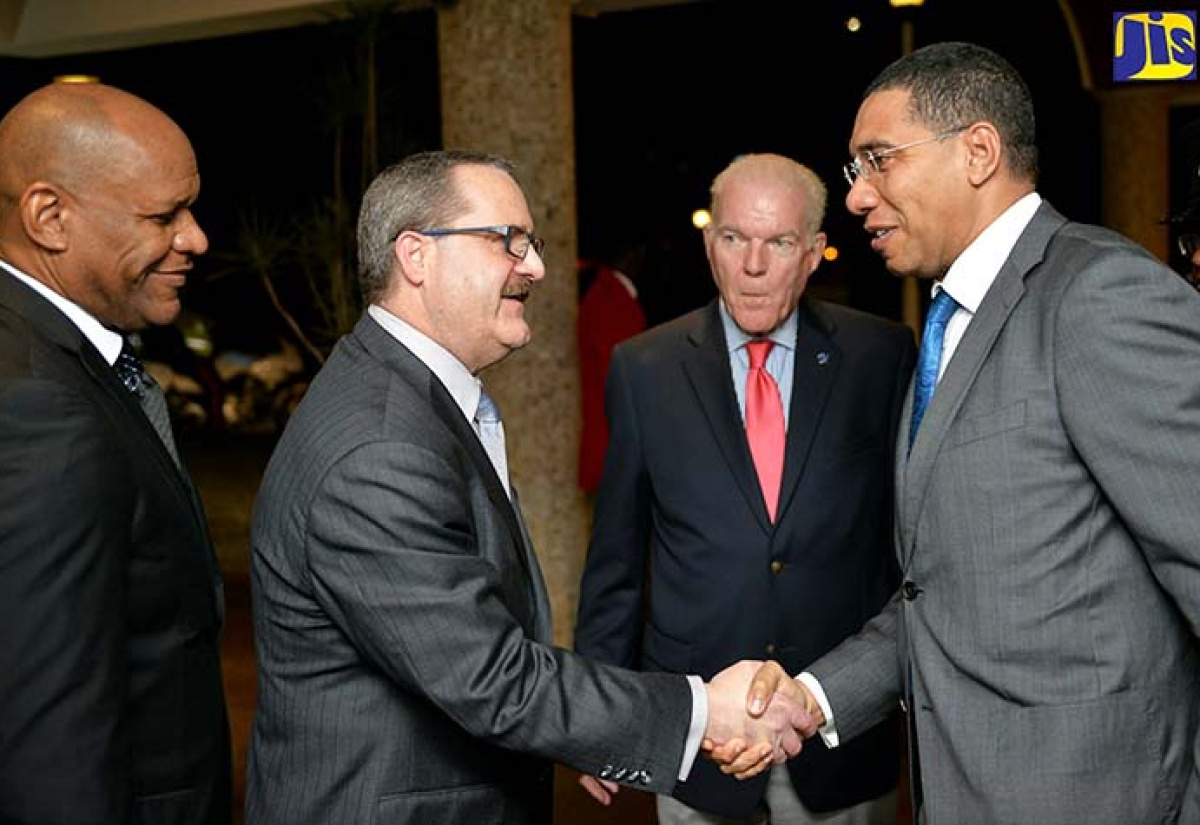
(491, 435)
(133, 375)
(930, 357)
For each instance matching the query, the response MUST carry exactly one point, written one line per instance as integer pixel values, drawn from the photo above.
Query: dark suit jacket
(680, 518)
(403, 629)
(1047, 528)
(111, 704)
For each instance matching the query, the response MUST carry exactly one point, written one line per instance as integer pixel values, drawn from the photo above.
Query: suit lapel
(915, 467)
(109, 391)
(815, 366)
(711, 378)
(816, 363)
(543, 622)
(391, 352)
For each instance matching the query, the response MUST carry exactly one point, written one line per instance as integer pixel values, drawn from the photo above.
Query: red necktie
(764, 424)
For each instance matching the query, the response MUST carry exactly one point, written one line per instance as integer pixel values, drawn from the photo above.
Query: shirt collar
(105, 340)
(973, 272)
(783, 335)
(463, 387)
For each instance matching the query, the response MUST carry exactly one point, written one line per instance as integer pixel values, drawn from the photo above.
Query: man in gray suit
(1043, 640)
(401, 621)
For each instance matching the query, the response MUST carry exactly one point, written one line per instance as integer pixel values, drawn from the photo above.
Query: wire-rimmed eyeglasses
(517, 241)
(867, 163)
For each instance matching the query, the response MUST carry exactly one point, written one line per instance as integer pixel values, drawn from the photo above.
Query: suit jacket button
(910, 591)
(606, 772)
(776, 566)
(644, 778)
(619, 774)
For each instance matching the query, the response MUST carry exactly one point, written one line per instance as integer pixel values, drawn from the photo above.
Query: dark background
(664, 97)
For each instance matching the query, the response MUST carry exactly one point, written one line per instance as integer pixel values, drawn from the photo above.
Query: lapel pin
(822, 358)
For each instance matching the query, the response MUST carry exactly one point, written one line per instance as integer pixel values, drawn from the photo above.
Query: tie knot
(758, 351)
(131, 371)
(486, 410)
(941, 309)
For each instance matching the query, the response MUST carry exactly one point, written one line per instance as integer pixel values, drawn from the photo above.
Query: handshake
(758, 716)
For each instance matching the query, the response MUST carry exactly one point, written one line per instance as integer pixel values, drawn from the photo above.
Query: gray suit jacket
(403, 629)
(1048, 531)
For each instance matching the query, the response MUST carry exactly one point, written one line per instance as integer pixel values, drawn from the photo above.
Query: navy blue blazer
(685, 571)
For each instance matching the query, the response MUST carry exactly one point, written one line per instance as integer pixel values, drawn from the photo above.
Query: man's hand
(770, 688)
(749, 744)
(601, 790)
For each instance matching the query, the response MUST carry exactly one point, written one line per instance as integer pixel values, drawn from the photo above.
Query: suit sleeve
(609, 621)
(405, 564)
(1127, 361)
(64, 541)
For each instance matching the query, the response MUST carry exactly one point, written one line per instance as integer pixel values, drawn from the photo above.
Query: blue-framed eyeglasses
(865, 164)
(517, 241)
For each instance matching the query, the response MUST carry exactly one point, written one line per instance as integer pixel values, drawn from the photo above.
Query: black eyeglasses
(1188, 242)
(865, 164)
(517, 241)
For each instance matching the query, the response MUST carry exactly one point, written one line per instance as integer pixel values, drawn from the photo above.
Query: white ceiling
(48, 28)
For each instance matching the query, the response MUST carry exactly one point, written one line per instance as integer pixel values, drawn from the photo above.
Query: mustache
(520, 289)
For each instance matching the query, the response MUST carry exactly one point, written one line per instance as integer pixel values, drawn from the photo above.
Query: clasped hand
(758, 716)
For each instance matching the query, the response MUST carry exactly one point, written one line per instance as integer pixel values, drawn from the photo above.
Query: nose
(755, 261)
(532, 266)
(862, 196)
(189, 237)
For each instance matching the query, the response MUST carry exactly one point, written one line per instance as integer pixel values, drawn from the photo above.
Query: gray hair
(778, 169)
(413, 194)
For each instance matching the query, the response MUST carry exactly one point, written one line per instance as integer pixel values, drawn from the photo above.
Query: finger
(764, 684)
(749, 758)
(789, 744)
(755, 770)
(600, 790)
(729, 751)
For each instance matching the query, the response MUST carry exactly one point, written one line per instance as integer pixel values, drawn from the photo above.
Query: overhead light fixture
(76, 78)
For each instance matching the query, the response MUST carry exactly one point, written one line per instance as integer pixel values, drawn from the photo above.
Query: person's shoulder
(669, 334)
(859, 322)
(1079, 246)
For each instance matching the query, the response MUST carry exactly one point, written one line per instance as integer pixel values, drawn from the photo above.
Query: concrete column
(506, 87)
(1134, 152)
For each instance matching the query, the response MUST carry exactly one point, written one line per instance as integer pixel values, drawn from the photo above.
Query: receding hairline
(775, 170)
(65, 133)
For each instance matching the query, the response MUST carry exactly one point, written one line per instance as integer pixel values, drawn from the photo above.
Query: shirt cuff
(696, 730)
(828, 730)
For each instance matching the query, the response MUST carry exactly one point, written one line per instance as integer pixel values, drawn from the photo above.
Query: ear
(413, 255)
(818, 249)
(43, 216)
(984, 152)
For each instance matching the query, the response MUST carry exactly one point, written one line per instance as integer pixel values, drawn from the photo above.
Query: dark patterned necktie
(149, 394)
